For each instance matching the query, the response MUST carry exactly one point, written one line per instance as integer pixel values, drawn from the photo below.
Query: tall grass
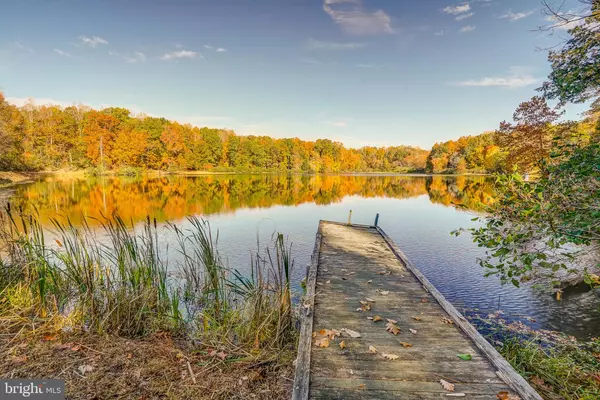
(115, 281)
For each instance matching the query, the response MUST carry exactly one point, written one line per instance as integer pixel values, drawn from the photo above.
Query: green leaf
(466, 357)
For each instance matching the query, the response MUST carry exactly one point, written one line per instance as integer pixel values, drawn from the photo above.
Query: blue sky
(364, 72)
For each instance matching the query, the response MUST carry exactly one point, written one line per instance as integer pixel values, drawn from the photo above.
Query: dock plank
(355, 264)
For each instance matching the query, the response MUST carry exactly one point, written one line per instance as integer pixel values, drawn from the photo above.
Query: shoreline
(9, 178)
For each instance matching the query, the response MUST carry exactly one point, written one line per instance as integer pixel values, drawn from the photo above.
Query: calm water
(417, 212)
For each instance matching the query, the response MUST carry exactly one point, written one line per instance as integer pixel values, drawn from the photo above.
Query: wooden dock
(373, 327)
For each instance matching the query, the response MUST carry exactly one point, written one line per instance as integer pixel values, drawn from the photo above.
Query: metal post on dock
(350, 218)
(376, 219)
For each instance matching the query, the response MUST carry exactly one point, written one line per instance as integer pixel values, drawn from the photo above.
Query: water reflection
(174, 197)
(418, 212)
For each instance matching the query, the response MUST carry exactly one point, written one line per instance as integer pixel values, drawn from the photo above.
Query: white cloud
(441, 33)
(457, 9)
(307, 60)
(320, 45)
(92, 41)
(63, 53)
(464, 16)
(467, 28)
(180, 54)
(221, 50)
(339, 124)
(22, 47)
(208, 46)
(40, 101)
(351, 16)
(511, 16)
(517, 77)
(131, 58)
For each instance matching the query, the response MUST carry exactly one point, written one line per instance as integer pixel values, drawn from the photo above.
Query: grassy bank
(118, 316)
(558, 366)
(10, 178)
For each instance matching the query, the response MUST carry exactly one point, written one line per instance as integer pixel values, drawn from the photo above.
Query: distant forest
(36, 138)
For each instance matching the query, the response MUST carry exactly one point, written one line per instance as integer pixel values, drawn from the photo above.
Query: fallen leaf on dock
(447, 385)
(323, 342)
(392, 328)
(372, 349)
(447, 321)
(370, 281)
(390, 356)
(350, 333)
(391, 321)
(330, 333)
(369, 299)
(424, 300)
(413, 331)
(416, 318)
(384, 292)
(406, 344)
(466, 357)
(362, 386)
(342, 345)
(376, 318)
(507, 396)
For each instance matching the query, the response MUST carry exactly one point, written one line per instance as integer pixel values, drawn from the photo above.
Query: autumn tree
(530, 138)
(100, 131)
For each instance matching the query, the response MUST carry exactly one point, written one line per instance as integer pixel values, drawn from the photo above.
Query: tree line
(34, 138)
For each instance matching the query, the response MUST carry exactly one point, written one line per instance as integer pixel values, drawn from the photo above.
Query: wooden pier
(373, 327)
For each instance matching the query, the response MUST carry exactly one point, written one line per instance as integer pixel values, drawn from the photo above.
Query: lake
(418, 212)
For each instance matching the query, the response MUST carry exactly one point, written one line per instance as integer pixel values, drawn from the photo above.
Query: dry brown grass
(152, 368)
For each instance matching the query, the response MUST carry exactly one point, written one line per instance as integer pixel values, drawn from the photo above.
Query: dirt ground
(154, 368)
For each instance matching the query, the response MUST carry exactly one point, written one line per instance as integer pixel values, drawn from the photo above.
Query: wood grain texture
(355, 263)
(302, 373)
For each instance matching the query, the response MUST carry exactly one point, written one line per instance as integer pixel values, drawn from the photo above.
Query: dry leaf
(19, 359)
(370, 281)
(406, 344)
(376, 318)
(372, 349)
(385, 292)
(507, 396)
(327, 282)
(447, 385)
(392, 328)
(350, 333)
(342, 345)
(416, 318)
(85, 368)
(424, 300)
(362, 386)
(330, 333)
(76, 347)
(323, 342)
(363, 302)
(391, 321)
(390, 356)
(413, 331)
(49, 338)
(447, 321)
(369, 299)
(129, 355)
